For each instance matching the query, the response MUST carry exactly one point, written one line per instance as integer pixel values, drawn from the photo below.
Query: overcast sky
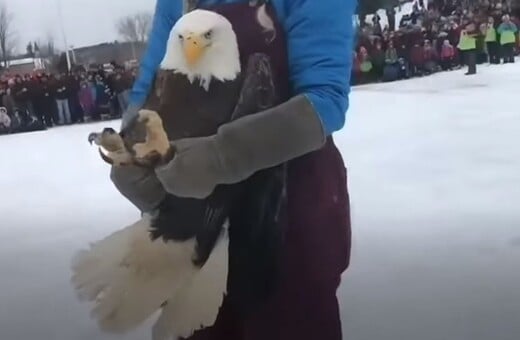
(86, 21)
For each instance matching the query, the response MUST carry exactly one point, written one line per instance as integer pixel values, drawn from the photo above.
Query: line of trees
(40, 49)
(7, 37)
(133, 28)
(9, 40)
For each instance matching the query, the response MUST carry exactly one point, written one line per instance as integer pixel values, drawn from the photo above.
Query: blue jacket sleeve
(166, 14)
(320, 40)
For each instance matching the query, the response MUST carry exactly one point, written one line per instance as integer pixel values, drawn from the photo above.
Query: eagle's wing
(255, 219)
(258, 90)
(181, 219)
(196, 305)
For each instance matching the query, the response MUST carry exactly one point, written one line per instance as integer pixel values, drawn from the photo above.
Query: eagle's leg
(112, 142)
(156, 146)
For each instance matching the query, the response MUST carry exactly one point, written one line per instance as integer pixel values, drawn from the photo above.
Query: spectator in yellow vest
(507, 31)
(468, 47)
(492, 42)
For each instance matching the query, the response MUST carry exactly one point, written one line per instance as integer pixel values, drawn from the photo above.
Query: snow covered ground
(434, 167)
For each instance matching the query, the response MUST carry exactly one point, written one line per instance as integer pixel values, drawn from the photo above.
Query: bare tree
(135, 28)
(49, 44)
(46, 47)
(7, 37)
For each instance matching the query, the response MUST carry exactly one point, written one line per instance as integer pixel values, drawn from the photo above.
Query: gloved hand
(241, 148)
(139, 185)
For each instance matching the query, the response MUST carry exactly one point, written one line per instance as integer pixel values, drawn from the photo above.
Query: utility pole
(60, 18)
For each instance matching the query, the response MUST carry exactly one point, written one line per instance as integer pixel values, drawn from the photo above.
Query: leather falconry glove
(139, 185)
(241, 148)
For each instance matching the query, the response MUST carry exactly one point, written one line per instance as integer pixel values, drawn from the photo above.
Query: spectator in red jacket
(416, 59)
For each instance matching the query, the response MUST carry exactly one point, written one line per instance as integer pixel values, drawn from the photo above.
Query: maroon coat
(316, 247)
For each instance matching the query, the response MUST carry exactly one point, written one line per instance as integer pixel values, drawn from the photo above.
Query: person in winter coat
(8, 98)
(468, 46)
(37, 94)
(76, 111)
(366, 66)
(391, 70)
(403, 52)
(492, 42)
(430, 58)
(391, 57)
(21, 95)
(61, 92)
(5, 121)
(482, 54)
(378, 59)
(46, 102)
(447, 55)
(86, 100)
(31, 83)
(3, 94)
(376, 23)
(417, 60)
(507, 31)
(103, 96)
(121, 86)
(17, 122)
(92, 85)
(318, 37)
(454, 33)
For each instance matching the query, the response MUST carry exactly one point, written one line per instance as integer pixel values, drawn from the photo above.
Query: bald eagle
(175, 259)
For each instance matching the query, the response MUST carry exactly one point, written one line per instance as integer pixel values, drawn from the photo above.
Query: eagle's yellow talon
(156, 138)
(142, 150)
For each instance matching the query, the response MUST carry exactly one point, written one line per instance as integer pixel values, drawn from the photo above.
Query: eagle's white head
(203, 46)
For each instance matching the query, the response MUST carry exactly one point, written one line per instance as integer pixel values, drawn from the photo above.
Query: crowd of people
(42, 100)
(439, 35)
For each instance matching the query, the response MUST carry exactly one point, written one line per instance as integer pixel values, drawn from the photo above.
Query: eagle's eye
(181, 37)
(208, 34)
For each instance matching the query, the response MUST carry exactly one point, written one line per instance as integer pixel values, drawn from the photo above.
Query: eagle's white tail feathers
(93, 269)
(129, 277)
(196, 305)
(134, 299)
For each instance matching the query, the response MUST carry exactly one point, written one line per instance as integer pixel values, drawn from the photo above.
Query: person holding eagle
(309, 44)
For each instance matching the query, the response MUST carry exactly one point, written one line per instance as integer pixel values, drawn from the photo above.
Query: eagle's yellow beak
(194, 47)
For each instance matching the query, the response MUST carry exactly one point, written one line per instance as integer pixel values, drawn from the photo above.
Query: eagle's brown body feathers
(192, 111)
(175, 109)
